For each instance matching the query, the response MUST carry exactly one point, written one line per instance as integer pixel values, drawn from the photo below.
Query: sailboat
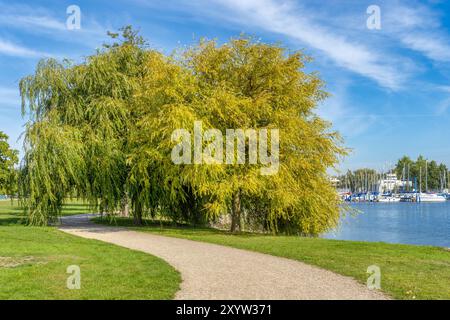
(427, 197)
(430, 197)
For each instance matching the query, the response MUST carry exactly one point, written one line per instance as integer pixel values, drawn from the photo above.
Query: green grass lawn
(34, 260)
(12, 214)
(407, 272)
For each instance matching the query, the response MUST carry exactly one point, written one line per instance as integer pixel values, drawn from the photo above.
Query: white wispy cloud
(304, 26)
(444, 88)
(30, 21)
(419, 28)
(444, 104)
(25, 16)
(402, 15)
(9, 97)
(346, 118)
(42, 21)
(436, 47)
(11, 49)
(338, 34)
(286, 18)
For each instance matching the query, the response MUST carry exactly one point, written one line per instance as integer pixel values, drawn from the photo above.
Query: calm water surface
(409, 223)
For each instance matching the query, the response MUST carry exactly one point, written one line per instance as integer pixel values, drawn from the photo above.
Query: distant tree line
(359, 180)
(425, 175)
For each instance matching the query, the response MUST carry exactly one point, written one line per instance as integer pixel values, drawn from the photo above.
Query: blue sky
(390, 87)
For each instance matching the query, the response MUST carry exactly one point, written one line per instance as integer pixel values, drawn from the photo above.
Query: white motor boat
(430, 197)
(388, 199)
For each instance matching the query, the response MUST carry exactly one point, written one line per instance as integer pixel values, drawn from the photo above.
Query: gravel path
(212, 271)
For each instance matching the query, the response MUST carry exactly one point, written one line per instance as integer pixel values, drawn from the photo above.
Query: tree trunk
(137, 215)
(236, 212)
(137, 219)
(125, 210)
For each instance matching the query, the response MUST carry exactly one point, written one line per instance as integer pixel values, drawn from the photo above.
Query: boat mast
(404, 177)
(420, 179)
(448, 180)
(409, 167)
(444, 180)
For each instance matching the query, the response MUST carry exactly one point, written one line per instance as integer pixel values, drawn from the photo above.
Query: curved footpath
(212, 271)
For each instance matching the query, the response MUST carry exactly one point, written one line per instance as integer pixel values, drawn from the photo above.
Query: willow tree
(104, 130)
(248, 85)
(76, 140)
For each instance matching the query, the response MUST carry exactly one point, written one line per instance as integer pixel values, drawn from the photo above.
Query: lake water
(409, 223)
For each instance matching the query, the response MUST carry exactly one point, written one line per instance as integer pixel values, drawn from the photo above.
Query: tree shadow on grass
(12, 221)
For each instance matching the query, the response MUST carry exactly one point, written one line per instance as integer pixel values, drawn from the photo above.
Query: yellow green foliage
(103, 129)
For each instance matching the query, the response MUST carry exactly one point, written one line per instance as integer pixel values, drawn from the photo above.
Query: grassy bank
(407, 272)
(33, 263)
